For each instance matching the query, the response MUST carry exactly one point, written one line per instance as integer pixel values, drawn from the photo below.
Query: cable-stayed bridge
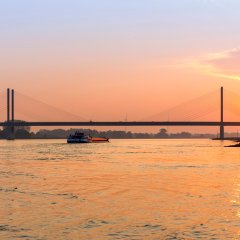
(15, 106)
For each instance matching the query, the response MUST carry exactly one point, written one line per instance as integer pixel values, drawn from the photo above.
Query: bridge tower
(13, 104)
(10, 111)
(8, 105)
(221, 113)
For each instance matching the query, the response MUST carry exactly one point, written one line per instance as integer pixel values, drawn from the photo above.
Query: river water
(125, 189)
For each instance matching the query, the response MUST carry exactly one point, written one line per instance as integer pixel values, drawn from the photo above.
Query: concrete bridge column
(221, 124)
(221, 132)
(10, 110)
(12, 127)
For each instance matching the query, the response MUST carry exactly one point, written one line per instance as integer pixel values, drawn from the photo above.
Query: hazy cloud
(228, 61)
(225, 64)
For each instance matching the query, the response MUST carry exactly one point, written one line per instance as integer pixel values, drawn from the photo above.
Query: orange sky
(104, 61)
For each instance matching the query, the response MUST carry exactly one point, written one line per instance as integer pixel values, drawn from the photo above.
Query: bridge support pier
(221, 132)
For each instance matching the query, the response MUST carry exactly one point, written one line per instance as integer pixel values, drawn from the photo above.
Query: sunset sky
(103, 59)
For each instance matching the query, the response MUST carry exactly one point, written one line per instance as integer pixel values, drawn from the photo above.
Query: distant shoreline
(25, 133)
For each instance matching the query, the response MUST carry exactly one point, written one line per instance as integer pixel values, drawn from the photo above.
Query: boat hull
(98, 140)
(78, 141)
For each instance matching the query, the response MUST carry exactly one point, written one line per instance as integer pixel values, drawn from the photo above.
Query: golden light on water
(144, 189)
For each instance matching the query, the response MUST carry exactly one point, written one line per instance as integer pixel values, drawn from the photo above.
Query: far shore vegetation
(25, 133)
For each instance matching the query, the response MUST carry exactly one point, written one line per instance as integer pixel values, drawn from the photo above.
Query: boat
(80, 137)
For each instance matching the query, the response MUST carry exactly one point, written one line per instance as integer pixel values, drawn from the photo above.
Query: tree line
(23, 133)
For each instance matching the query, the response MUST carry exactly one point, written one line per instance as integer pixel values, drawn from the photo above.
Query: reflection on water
(126, 189)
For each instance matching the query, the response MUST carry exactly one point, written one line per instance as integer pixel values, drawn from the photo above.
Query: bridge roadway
(116, 124)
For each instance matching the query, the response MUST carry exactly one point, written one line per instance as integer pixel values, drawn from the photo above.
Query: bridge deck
(116, 124)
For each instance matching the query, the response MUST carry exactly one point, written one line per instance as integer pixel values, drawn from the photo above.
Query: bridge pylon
(10, 111)
(222, 116)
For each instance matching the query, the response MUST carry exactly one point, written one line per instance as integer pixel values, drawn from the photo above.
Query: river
(125, 189)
